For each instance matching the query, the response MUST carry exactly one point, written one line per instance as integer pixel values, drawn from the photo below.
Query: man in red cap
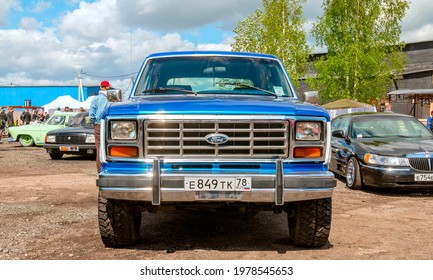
(97, 107)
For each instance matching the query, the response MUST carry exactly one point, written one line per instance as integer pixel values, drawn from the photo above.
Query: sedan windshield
(392, 126)
(215, 75)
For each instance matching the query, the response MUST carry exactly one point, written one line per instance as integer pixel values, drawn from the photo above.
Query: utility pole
(80, 86)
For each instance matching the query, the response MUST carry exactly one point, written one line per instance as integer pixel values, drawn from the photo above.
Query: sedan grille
(76, 139)
(187, 138)
(422, 164)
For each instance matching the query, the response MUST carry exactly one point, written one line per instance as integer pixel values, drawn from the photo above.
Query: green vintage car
(34, 134)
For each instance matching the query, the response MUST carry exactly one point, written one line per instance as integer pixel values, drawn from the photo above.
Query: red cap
(105, 84)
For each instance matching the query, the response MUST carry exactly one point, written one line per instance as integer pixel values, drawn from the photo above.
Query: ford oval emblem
(216, 138)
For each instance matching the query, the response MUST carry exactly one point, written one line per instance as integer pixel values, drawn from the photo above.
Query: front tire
(310, 222)
(353, 175)
(119, 222)
(26, 141)
(56, 156)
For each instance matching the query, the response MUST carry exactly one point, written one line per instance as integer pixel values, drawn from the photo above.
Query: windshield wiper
(242, 85)
(167, 89)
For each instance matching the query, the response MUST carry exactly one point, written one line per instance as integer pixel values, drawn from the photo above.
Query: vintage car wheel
(353, 175)
(310, 222)
(56, 156)
(26, 140)
(119, 222)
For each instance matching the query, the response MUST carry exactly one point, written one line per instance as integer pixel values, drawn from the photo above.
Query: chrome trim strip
(156, 183)
(171, 195)
(279, 184)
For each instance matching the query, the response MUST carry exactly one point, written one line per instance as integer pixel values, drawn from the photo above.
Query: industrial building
(40, 95)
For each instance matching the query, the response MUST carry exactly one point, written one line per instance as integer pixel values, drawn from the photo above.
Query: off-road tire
(119, 222)
(310, 222)
(56, 156)
(353, 175)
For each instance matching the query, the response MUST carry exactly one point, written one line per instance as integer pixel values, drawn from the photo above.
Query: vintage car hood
(411, 147)
(216, 104)
(71, 130)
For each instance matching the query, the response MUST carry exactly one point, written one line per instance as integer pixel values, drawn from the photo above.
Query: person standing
(26, 117)
(10, 117)
(97, 107)
(429, 121)
(3, 118)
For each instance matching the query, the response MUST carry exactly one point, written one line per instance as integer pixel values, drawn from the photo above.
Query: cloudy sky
(48, 42)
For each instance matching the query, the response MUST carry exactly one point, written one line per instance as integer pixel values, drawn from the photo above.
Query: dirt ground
(48, 211)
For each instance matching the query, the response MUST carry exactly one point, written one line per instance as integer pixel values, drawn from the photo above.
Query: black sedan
(77, 139)
(382, 150)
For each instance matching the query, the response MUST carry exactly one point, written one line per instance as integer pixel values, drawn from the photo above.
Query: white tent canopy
(67, 100)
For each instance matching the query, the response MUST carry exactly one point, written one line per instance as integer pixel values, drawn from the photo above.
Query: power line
(110, 77)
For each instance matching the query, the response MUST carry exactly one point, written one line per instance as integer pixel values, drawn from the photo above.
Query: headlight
(90, 138)
(50, 139)
(123, 130)
(383, 160)
(308, 131)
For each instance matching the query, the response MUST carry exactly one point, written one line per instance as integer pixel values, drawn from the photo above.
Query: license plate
(423, 177)
(69, 148)
(217, 184)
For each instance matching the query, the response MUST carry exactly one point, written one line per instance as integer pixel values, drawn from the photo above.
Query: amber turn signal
(308, 152)
(123, 151)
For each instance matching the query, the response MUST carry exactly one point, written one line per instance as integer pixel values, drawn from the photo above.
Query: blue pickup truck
(215, 130)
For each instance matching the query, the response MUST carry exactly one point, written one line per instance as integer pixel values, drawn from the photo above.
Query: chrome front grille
(422, 164)
(186, 138)
(75, 139)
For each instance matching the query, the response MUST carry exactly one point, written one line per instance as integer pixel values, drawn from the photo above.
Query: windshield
(388, 126)
(81, 120)
(213, 74)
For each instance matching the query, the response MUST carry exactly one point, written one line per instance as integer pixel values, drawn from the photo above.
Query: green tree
(277, 30)
(364, 51)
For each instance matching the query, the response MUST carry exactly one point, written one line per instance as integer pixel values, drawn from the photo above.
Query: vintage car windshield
(388, 126)
(215, 75)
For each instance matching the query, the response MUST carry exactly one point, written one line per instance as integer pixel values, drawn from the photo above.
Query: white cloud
(41, 6)
(180, 15)
(29, 23)
(5, 7)
(418, 22)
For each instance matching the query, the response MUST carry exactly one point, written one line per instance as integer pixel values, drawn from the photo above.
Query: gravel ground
(49, 212)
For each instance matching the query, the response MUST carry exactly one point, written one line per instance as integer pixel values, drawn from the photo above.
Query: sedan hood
(401, 147)
(71, 131)
(216, 104)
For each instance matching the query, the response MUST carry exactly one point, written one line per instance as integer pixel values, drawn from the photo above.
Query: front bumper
(84, 149)
(393, 178)
(159, 187)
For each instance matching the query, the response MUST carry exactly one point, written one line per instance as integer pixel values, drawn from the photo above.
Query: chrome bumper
(275, 188)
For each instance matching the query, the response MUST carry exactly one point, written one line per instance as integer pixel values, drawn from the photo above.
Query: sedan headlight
(90, 138)
(50, 139)
(308, 131)
(384, 160)
(123, 130)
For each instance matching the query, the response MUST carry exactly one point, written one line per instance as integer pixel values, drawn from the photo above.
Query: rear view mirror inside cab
(218, 69)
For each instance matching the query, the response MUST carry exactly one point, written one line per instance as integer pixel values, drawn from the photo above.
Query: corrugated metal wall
(40, 95)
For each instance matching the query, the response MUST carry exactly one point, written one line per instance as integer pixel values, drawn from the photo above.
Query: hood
(71, 130)
(402, 147)
(216, 104)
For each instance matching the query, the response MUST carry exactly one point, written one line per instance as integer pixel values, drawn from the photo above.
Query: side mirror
(311, 97)
(338, 133)
(114, 95)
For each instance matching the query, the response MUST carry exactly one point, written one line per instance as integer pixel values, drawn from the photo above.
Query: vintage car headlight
(123, 130)
(308, 131)
(50, 139)
(90, 138)
(384, 160)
